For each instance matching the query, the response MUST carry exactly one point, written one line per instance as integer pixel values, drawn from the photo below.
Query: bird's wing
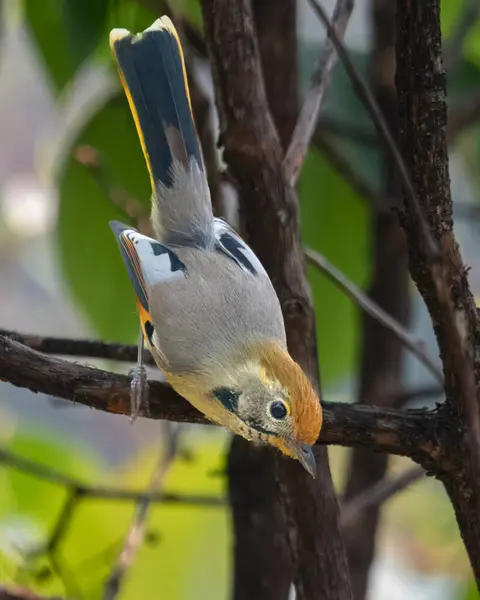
(149, 263)
(231, 244)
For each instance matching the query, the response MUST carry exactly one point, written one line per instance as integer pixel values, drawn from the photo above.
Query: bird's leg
(139, 383)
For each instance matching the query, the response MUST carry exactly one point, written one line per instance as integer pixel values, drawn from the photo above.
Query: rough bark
(262, 566)
(254, 154)
(276, 25)
(381, 362)
(261, 556)
(443, 283)
(413, 433)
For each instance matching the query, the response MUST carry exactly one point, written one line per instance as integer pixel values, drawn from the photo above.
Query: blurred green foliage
(190, 557)
(97, 279)
(180, 539)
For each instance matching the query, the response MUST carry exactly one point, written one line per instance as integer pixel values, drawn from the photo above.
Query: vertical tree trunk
(261, 556)
(381, 352)
(254, 154)
(443, 283)
(262, 566)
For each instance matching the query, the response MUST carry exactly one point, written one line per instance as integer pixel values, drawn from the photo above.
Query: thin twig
(348, 172)
(348, 130)
(307, 119)
(370, 103)
(62, 522)
(66, 576)
(85, 490)
(379, 493)
(73, 347)
(461, 118)
(21, 593)
(401, 397)
(137, 530)
(375, 311)
(91, 159)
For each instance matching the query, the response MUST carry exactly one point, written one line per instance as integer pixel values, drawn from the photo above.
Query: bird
(208, 310)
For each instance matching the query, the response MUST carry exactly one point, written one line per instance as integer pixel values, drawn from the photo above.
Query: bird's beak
(304, 454)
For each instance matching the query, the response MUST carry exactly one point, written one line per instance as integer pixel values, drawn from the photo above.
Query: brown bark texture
(262, 565)
(442, 280)
(254, 154)
(381, 361)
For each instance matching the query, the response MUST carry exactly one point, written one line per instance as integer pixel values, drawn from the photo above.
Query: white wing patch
(148, 261)
(159, 264)
(231, 244)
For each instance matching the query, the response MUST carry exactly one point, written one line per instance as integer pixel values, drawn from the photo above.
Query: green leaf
(463, 80)
(470, 592)
(85, 22)
(451, 11)
(336, 223)
(89, 254)
(192, 10)
(45, 22)
(66, 33)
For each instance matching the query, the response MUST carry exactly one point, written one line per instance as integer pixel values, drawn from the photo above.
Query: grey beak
(304, 454)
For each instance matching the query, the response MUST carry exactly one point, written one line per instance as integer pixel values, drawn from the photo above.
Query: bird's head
(266, 397)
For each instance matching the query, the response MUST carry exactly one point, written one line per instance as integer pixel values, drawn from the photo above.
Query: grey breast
(216, 311)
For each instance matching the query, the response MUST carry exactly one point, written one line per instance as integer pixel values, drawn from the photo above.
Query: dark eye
(278, 410)
(228, 397)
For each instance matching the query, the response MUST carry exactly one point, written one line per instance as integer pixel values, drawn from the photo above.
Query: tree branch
(263, 567)
(375, 311)
(379, 493)
(421, 86)
(382, 353)
(408, 434)
(366, 96)
(136, 532)
(21, 593)
(320, 80)
(348, 130)
(254, 154)
(70, 347)
(348, 171)
(79, 491)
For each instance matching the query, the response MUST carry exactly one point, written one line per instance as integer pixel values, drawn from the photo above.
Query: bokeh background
(61, 274)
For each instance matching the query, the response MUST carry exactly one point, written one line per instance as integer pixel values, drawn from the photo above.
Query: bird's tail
(153, 75)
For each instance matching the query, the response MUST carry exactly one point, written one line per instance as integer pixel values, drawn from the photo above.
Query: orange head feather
(305, 404)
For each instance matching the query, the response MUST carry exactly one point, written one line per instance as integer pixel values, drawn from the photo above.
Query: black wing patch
(149, 331)
(235, 249)
(232, 245)
(148, 262)
(175, 263)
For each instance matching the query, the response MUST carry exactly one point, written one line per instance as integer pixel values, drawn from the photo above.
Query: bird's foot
(139, 391)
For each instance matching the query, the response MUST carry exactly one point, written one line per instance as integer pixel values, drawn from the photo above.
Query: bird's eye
(278, 410)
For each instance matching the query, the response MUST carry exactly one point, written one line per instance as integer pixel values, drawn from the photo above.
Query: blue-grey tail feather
(151, 65)
(153, 72)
